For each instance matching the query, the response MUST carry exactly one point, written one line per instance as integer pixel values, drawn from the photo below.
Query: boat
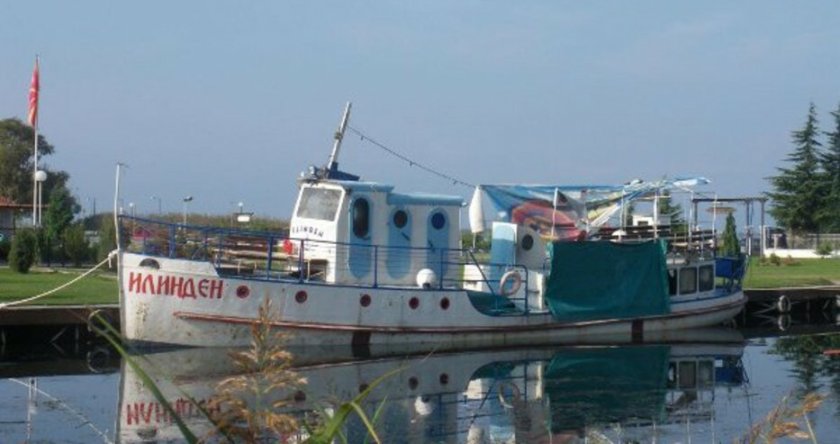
(529, 394)
(363, 265)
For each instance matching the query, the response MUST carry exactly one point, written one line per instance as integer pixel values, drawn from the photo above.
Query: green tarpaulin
(605, 280)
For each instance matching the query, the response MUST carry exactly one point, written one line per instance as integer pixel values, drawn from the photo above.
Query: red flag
(33, 96)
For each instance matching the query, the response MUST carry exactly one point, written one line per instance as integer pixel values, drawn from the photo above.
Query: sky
(229, 101)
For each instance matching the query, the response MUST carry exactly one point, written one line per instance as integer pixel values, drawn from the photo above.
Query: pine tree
(674, 212)
(797, 190)
(829, 214)
(730, 247)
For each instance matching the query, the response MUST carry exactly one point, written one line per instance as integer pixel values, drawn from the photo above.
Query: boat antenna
(332, 165)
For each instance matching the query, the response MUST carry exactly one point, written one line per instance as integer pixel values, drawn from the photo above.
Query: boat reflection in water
(564, 393)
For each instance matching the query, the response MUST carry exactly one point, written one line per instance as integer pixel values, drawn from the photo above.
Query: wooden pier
(785, 300)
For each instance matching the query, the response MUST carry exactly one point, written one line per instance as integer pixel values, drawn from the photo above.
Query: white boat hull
(182, 302)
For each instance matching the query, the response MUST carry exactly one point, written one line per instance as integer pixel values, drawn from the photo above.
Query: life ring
(516, 394)
(783, 322)
(783, 304)
(513, 278)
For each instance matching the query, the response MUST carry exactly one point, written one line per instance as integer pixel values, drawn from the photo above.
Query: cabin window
(400, 218)
(688, 280)
(361, 217)
(527, 242)
(687, 377)
(318, 203)
(438, 221)
(672, 281)
(707, 278)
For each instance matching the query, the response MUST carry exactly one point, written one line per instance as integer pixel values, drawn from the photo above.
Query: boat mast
(332, 165)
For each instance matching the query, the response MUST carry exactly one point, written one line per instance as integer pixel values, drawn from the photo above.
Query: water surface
(710, 388)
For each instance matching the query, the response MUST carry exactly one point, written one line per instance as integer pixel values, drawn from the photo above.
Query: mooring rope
(62, 286)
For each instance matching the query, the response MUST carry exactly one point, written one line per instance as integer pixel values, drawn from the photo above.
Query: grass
(793, 273)
(98, 288)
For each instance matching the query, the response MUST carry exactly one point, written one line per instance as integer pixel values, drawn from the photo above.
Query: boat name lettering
(175, 286)
(308, 229)
(153, 412)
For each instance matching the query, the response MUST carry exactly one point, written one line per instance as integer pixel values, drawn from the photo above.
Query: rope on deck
(107, 260)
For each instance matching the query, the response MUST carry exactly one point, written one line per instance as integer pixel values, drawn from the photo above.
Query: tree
(75, 245)
(674, 213)
(829, 213)
(60, 213)
(17, 159)
(730, 246)
(797, 190)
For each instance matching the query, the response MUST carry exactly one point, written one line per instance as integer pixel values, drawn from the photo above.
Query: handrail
(276, 256)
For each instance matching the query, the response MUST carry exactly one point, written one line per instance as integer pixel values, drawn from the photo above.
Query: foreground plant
(247, 406)
(786, 421)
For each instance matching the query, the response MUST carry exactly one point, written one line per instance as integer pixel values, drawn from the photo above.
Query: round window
(527, 242)
(438, 221)
(400, 218)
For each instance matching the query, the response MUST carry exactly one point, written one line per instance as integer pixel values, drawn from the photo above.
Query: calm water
(709, 388)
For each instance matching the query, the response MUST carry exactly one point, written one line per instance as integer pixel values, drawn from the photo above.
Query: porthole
(150, 263)
(444, 303)
(301, 297)
(364, 301)
(527, 242)
(414, 303)
(413, 382)
(361, 217)
(438, 221)
(400, 218)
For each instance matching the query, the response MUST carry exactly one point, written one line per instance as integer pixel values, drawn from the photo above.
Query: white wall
(796, 253)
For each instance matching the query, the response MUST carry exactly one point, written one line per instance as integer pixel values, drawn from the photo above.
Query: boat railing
(277, 256)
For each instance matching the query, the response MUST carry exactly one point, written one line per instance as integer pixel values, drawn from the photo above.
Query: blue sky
(229, 101)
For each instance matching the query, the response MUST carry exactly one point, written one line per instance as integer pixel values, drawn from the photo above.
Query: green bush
(824, 249)
(22, 251)
(75, 245)
(775, 260)
(5, 246)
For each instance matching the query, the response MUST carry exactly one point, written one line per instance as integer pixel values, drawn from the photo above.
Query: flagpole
(35, 221)
(34, 91)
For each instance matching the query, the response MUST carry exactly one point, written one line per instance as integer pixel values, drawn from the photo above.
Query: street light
(37, 209)
(158, 199)
(187, 200)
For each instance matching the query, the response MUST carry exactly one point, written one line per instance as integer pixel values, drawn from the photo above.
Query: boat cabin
(356, 232)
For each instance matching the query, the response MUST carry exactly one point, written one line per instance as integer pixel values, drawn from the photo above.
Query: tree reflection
(809, 362)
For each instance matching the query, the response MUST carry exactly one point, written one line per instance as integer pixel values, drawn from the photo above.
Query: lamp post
(158, 199)
(37, 210)
(186, 200)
